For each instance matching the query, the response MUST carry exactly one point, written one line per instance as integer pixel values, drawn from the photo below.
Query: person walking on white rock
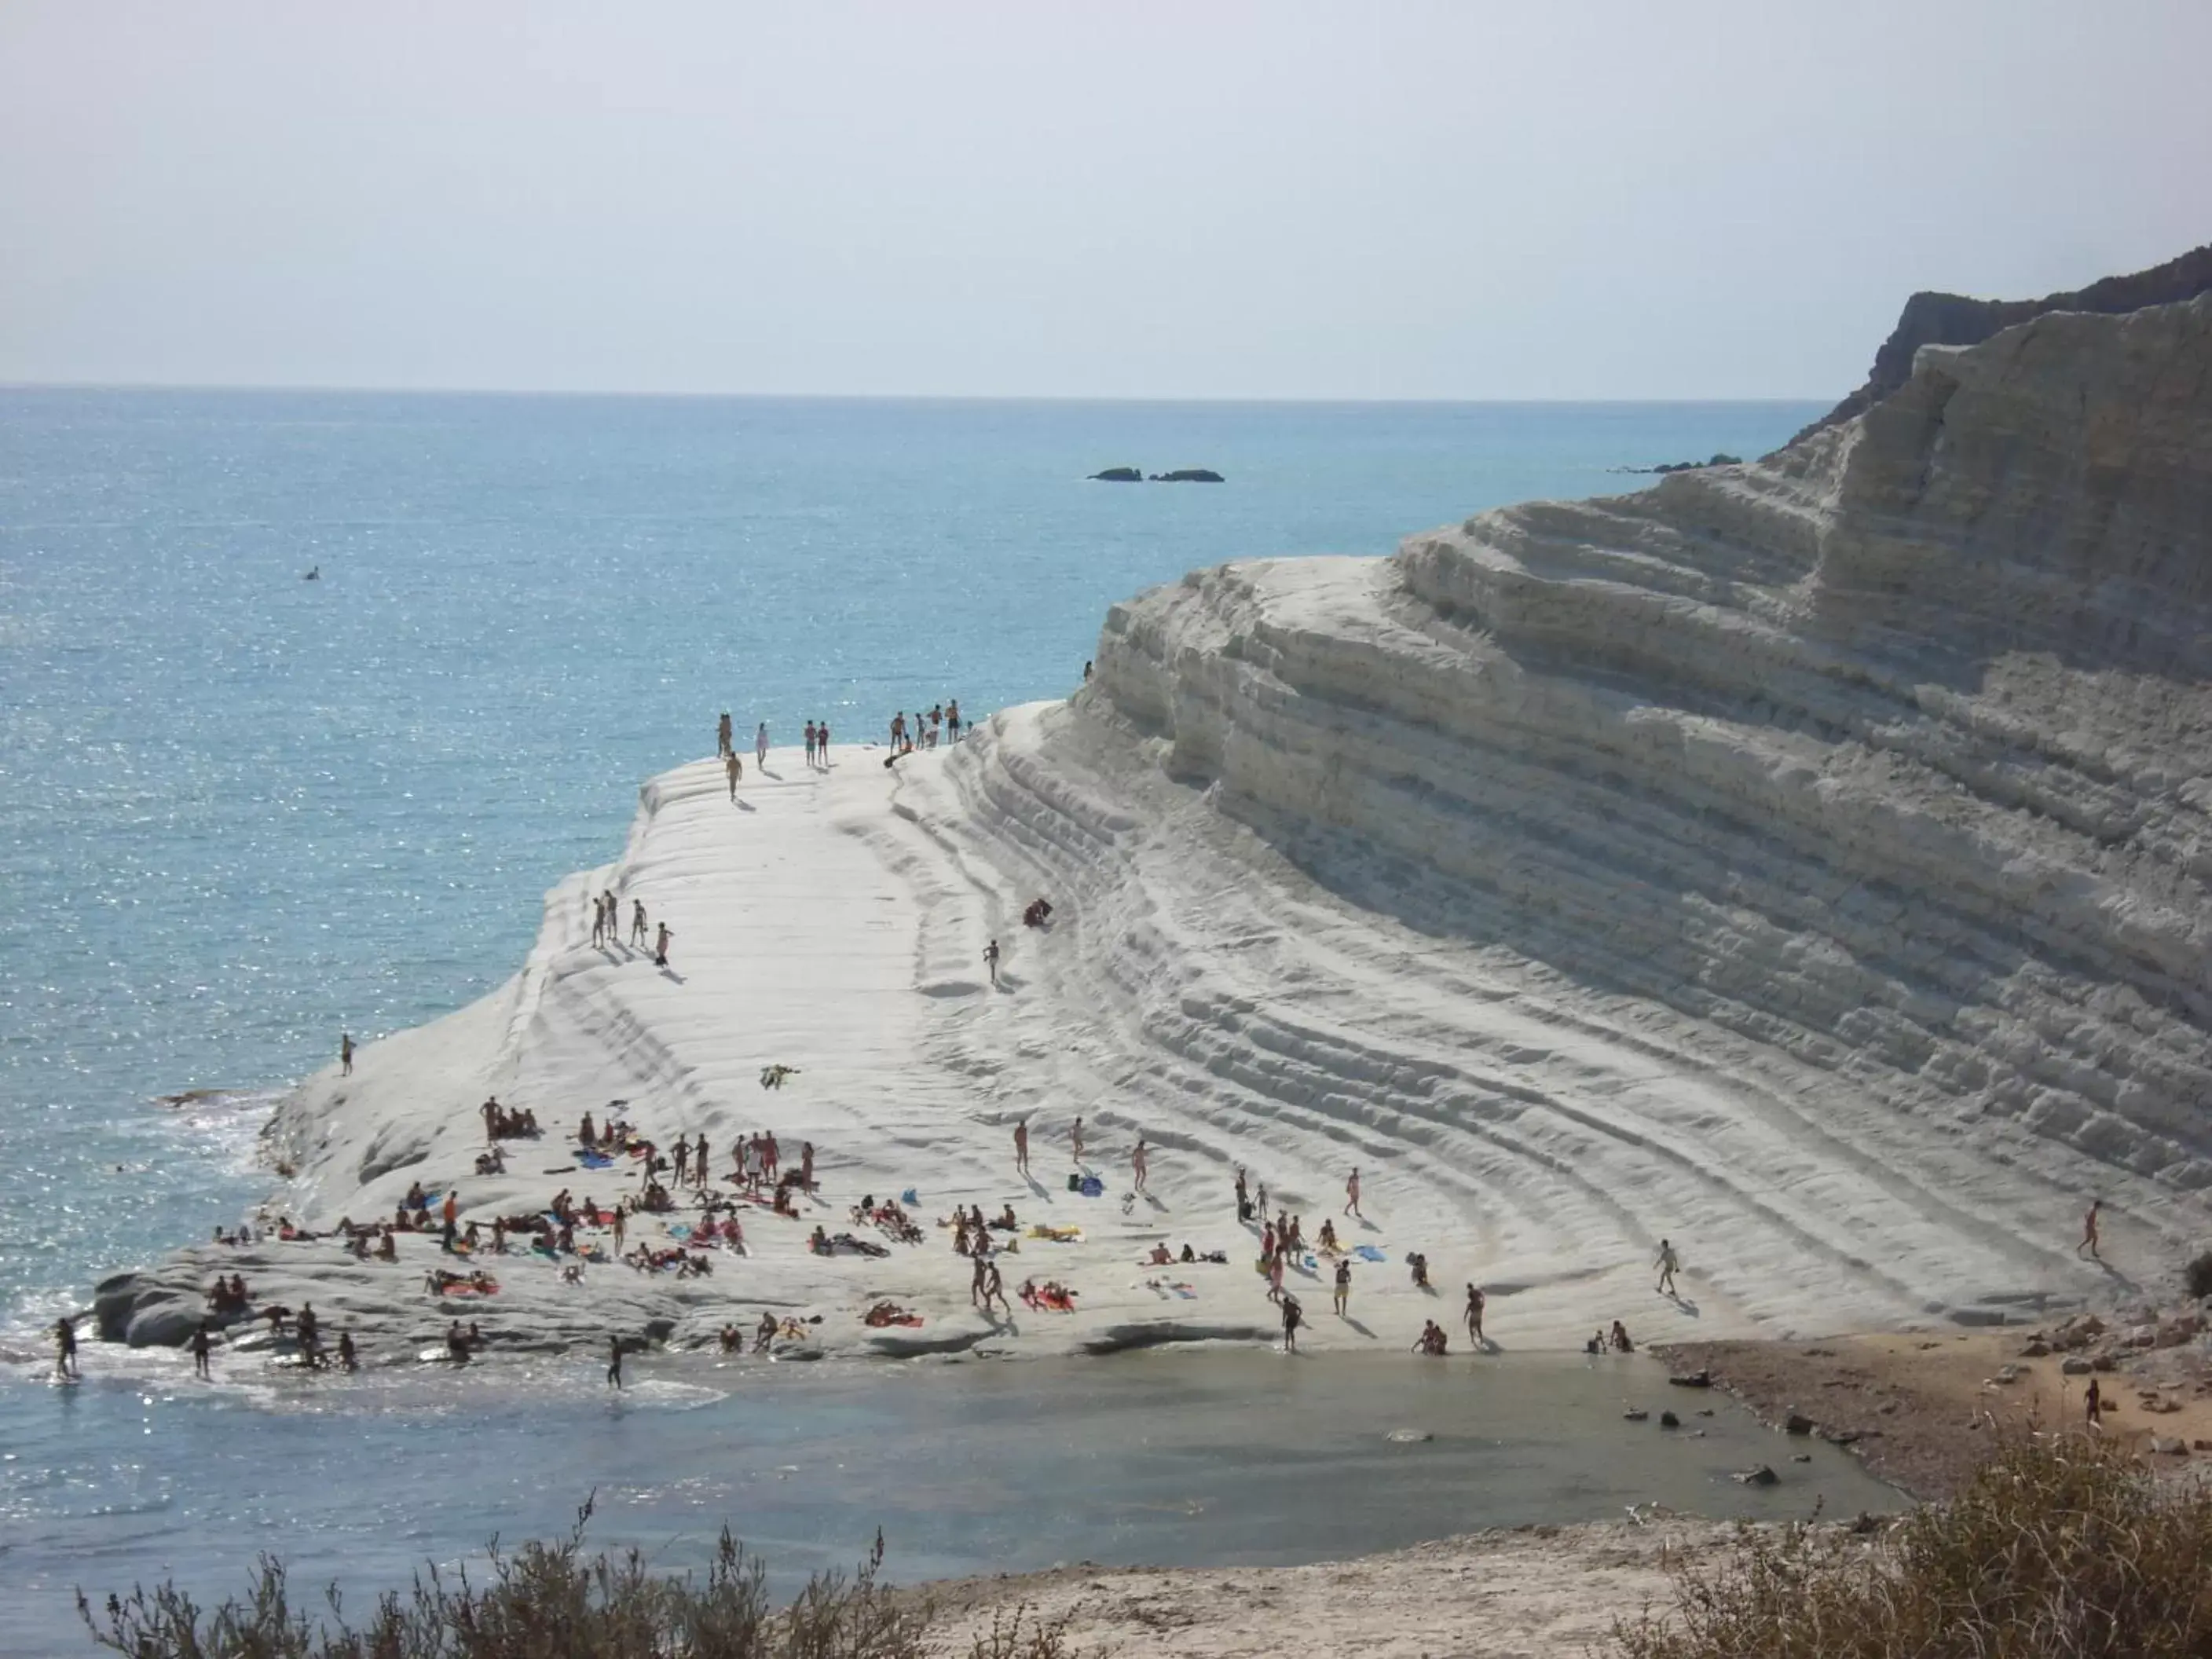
(660, 947)
(2089, 1231)
(723, 744)
(1666, 1261)
(1343, 1284)
(735, 768)
(1474, 1301)
(1139, 1163)
(760, 743)
(1294, 1316)
(810, 743)
(1075, 1136)
(1022, 1146)
(637, 928)
(991, 961)
(345, 1054)
(1352, 1196)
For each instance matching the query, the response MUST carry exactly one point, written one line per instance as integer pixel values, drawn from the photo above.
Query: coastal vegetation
(2056, 1547)
(551, 1598)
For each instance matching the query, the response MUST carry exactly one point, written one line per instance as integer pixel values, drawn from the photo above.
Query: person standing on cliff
(822, 744)
(1140, 1162)
(1352, 1194)
(723, 744)
(810, 743)
(65, 1350)
(1474, 1301)
(2089, 1231)
(1022, 1146)
(637, 928)
(1666, 1261)
(345, 1054)
(991, 961)
(660, 947)
(760, 743)
(1075, 1138)
(736, 770)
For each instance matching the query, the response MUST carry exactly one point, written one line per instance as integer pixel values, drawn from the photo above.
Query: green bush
(548, 1601)
(2056, 1547)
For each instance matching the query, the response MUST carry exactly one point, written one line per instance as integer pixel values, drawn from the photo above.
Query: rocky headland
(1805, 861)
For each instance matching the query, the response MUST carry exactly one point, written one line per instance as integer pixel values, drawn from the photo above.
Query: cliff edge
(1953, 320)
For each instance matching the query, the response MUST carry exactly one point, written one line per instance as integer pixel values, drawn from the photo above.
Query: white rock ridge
(1853, 804)
(1804, 861)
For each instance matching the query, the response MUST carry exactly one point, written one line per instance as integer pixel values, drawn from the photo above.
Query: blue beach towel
(593, 1160)
(1369, 1253)
(909, 1196)
(1092, 1186)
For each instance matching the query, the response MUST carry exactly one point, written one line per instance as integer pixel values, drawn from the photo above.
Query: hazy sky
(1546, 198)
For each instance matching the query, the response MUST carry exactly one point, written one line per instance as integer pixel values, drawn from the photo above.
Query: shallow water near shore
(1192, 1459)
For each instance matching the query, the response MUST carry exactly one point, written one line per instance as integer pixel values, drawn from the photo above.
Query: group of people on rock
(942, 721)
(606, 920)
(501, 1124)
(971, 1233)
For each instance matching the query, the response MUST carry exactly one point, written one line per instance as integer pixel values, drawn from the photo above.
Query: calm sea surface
(239, 810)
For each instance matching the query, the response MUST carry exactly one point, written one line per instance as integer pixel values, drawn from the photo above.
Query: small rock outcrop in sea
(1189, 475)
(1688, 466)
(1119, 475)
(1953, 320)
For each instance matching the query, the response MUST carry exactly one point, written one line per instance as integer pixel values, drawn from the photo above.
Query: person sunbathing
(1326, 1241)
(818, 1242)
(1006, 1222)
(1160, 1257)
(387, 1247)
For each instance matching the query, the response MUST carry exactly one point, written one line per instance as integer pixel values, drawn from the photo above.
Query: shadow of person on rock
(1683, 1302)
(1363, 1331)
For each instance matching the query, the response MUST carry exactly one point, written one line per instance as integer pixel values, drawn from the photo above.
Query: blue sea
(240, 810)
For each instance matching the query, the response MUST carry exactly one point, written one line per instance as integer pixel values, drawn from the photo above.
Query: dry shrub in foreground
(2056, 1547)
(550, 1601)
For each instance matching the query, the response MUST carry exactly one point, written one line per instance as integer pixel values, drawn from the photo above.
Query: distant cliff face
(1954, 320)
(1891, 753)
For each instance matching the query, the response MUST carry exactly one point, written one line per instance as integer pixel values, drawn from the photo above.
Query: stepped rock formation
(1805, 861)
(1930, 318)
(1867, 788)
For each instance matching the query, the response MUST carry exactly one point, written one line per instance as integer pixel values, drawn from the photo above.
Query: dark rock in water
(1189, 475)
(1841, 1436)
(1761, 1476)
(1953, 320)
(1690, 466)
(1636, 1416)
(1668, 1420)
(1797, 1424)
(1693, 1380)
(1119, 475)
